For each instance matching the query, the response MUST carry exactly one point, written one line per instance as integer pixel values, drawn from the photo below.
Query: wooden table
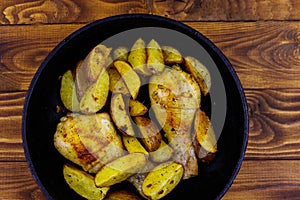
(261, 38)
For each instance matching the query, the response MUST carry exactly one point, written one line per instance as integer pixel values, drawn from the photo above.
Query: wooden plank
(256, 180)
(23, 49)
(67, 11)
(17, 182)
(264, 54)
(227, 10)
(273, 118)
(266, 180)
(11, 105)
(274, 124)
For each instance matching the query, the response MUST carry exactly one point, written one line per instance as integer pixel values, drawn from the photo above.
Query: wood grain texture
(264, 54)
(17, 182)
(254, 181)
(11, 105)
(227, 10)
(67, 11)
(261, 38)
(274, 119)
(274, 180)
(23, 49)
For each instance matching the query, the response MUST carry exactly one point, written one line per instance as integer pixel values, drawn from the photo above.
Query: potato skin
(88, 70)
(171, 55)
(120, 169)
(136, 108)
(133, 145)
(148, 133)
(96, 95)
(116, 83)
(81, 82)
(138, 57)
(121, 53)
(199, 72)
(155, 59)
(95, 62)
(120, 116)
(83, 183)
(130, 77)
(162, 180)
(68, 92)
(205, 142)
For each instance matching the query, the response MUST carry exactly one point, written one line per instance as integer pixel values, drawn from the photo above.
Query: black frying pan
(40, 116)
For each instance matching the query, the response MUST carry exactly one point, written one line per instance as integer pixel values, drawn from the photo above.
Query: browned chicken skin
(175, 96)
(88, 140)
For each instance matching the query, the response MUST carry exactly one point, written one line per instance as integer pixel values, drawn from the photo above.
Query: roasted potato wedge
(148, 133)
(162, 180)
(95, 62)
(88, 70)
(96, 95)
(68, 92)
(116, 83)
(83, 183)
(203, 155)
(199, 72)
(121, 53)
(204, 132)
(137, 179)
(162, 154)
(137, 57)
(155, 59)
(120, 169)
(120, 115)
(136, 108)
(131, 79)
(133, 145)
(121, 195)
(171, 55)
(81, 82)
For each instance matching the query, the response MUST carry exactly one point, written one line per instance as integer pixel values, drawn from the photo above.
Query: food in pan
(134, 114)
(83, 183)
(137, 57)
(162, 180)
(130, 77)
(155, 59)
(68, 92)
(178, 96)
(90, 141)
